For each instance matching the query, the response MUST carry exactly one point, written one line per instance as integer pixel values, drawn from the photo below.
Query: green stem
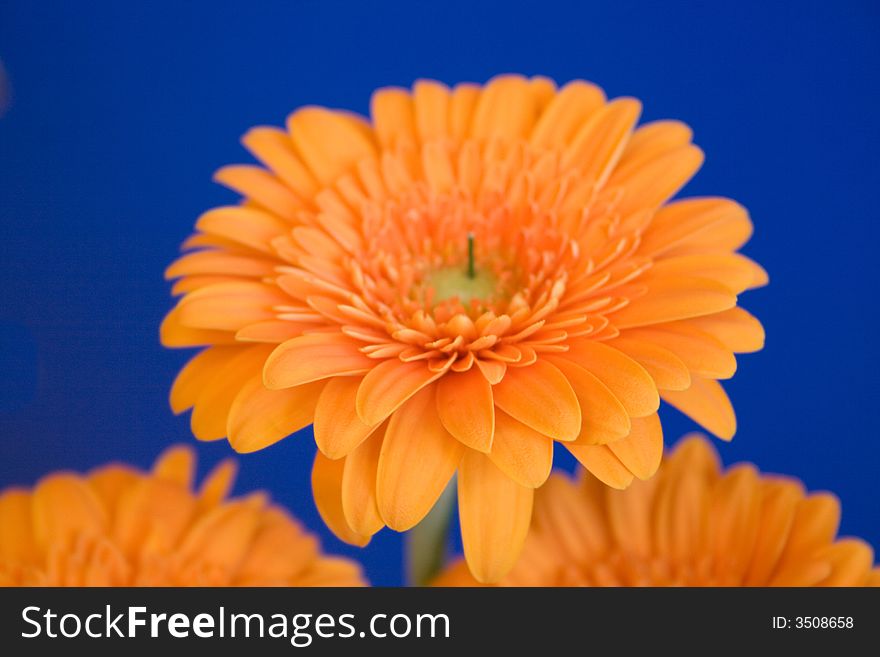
(426, 542)
(471, 271)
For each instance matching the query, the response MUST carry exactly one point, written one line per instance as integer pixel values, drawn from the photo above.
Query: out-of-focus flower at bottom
(118, 526)
(693, 524)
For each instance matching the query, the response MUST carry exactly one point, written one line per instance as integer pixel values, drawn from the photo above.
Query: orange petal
(17, 543)
(246, 226)
(735, 328)
(779, 501)
(523, 454)
(274, 148)
(152, 516)
(701, 353)
(494, 512)
(656, 181)
(694, 453)
(221, 538)
(229, 306)
(208, 421)
(540, 397)
(733, 270)
(261, 187)
(431, 101)
(600, 142)
(543, 89)
(218, 484)
(631, 516)
(328, 142)
(706, 403)
(172, 333)
(734, 520)
(417, 460)
(327, 489)
(110, 483)
(438, 167)
(359, 486)
(338, 429)
(651, 141)
(332, 571)
(815, 525)
(219, 263)
(176, 464)
(390, 384)
(461, 109)
(623, 376)
(197, 374)
(311, 240)
(569, 109)
(493, 370)
(602, 462)
(270, 559)
(684, 222)
(259, 417)
(667, 370)
(392, 113)
(642, 449)
(506, 109)
(207, 241)
(673, 297)
(850, 560)
(64, 506)
(575, 520)
(189, 284)
(313, 357)
(681, 508)
(466, 408)
(272, 331)
(806, 572)
(603, 417)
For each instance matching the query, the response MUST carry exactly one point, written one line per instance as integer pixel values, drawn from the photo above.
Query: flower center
(478, 265)
(450, 283)
(465, 284)
(440, 253)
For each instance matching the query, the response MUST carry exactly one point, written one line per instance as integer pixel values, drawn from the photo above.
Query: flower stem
(426, 542)
(471, 272)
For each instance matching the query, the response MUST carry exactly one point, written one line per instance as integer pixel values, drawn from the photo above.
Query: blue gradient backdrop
(121, 112)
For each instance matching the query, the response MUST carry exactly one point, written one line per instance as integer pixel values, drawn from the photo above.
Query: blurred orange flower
(693, 524)
(454, 285)
(121, 527)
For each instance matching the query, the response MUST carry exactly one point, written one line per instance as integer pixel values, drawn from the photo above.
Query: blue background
(121, 112)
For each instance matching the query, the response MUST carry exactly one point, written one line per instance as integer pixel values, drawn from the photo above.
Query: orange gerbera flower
(121, 527)
(692, 525)
(455, 285)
